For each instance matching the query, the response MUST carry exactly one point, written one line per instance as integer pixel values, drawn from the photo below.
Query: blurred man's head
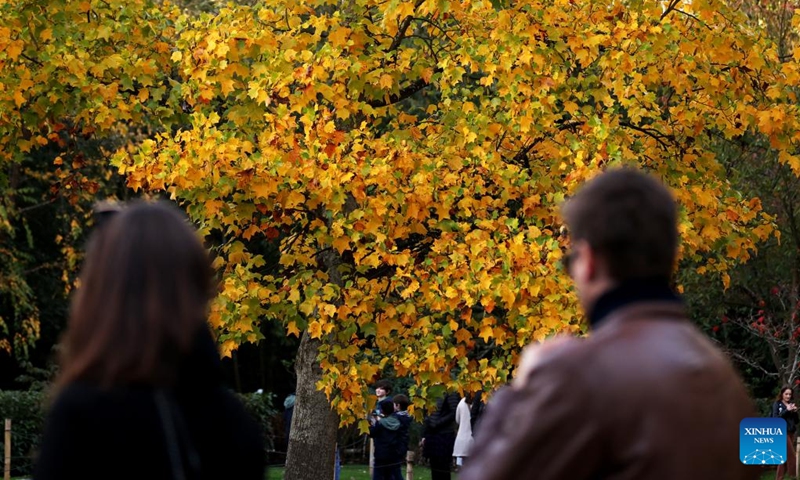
(623, 227)
(383, 388)
(386, 408)
(401, 403)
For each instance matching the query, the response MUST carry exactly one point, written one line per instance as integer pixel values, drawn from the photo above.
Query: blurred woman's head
(144, 290)
(786, 394)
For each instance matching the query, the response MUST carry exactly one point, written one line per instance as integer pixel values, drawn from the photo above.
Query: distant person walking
(646, 395)
(785, 408)
(464, 436)
(475, 412)
(140, 392)
(439, 435)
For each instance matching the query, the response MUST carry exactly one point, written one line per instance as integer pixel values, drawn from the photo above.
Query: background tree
(72, 78)
(755, 320)
(408, 160)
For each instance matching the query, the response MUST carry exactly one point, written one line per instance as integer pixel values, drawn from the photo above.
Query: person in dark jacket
(631, 401)
(785, 408)
(439, 436)
(140, 392)
(401, 403)
(383, 388)
(386, 434)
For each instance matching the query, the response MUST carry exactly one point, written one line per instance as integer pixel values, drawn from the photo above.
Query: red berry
(716, 328)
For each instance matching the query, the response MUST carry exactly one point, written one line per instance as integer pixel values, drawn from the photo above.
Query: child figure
(401, 403)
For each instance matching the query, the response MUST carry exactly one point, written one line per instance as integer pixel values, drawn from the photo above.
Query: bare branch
(35, 207)
(744, 359)
(670, 8)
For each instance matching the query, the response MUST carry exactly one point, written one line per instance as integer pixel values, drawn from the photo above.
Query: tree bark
(312, 439)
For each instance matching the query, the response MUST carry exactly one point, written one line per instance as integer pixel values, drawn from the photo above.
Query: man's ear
(591, 262)
(584, 261)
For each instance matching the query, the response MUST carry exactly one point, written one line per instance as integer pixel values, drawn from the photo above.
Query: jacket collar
(646, 291)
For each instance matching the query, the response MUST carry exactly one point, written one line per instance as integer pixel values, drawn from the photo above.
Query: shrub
(261, 408)
(763, 406)
(26, 411)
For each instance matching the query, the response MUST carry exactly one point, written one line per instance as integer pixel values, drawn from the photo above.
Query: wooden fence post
(371, 457)
(409, 465)
(797, 459)
(7, 462)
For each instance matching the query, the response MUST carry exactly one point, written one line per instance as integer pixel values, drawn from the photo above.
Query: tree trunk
(312, 439)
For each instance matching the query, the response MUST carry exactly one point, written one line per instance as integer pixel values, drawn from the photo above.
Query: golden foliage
(408, 159)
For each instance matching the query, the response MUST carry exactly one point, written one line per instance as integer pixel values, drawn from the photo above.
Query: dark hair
(780, 395)
(630, 219)
(144, 289)
(386, 407)
(402, 401)
(103, 212)
(385, 385)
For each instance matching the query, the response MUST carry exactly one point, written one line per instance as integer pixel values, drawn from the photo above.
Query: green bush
(763, 406)
(261, 408)
(26, 411)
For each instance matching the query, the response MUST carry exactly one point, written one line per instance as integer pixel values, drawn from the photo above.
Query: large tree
(409, 159)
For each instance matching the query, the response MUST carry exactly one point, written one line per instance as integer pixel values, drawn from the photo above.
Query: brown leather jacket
(645, 397)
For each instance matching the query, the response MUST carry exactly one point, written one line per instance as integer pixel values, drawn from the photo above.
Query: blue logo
(762, 441)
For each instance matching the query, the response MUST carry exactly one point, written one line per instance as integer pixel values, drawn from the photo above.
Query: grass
(359, 472)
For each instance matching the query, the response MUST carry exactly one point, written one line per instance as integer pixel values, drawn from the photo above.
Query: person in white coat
(464, 436)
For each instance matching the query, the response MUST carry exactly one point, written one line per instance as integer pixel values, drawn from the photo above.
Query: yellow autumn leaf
(294, 199)
(486, 333)
(341, 244)
(264, 190)
(338, 37)
(386, 81)
(294, 295)
(291, 329)
(315, 329)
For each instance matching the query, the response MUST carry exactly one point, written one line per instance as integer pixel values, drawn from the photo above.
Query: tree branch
(670, 8)
(655, 134)
(35, 207)
(742, 358)
(404, 93)
(401, 32)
